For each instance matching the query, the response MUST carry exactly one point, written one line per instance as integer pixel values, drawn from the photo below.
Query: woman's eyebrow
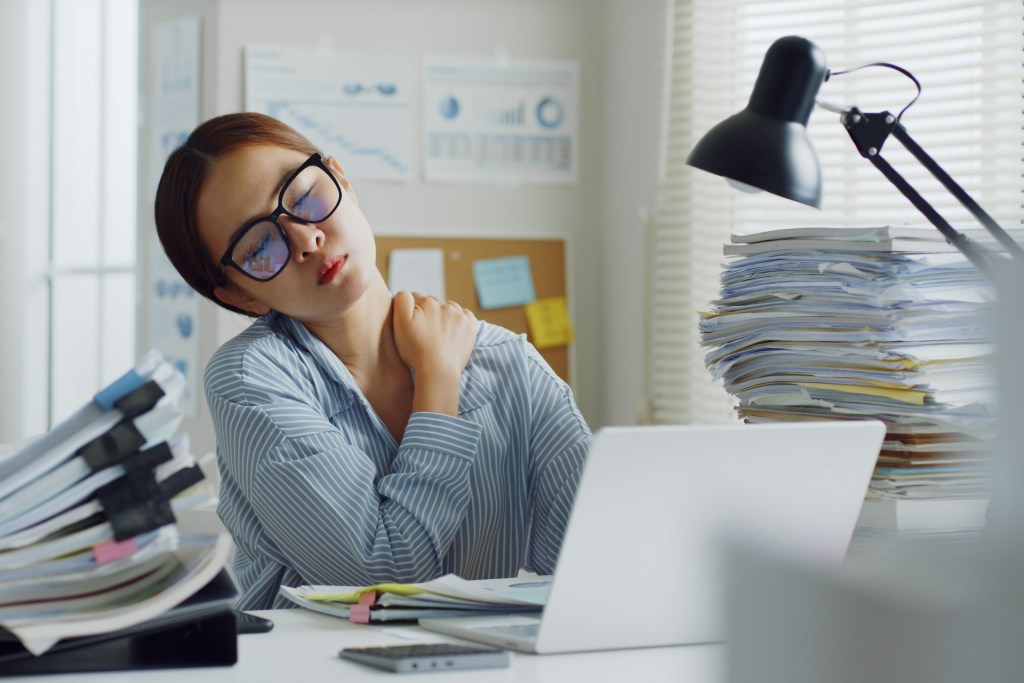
(277, 193)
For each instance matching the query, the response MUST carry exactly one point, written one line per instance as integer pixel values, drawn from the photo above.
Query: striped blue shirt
(315, 489)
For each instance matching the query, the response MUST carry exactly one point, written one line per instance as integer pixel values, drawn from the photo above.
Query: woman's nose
(306, 238)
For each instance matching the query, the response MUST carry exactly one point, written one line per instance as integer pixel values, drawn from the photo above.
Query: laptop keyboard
(516, 630)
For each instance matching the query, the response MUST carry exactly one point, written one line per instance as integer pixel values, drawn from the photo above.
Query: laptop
(641, 561)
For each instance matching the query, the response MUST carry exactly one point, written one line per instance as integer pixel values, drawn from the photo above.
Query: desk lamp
(766, 147)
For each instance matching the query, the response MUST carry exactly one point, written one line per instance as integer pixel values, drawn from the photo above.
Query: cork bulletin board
(547, 265)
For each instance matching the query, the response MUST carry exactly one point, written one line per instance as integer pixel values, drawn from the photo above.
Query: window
(92, 255)
(74, 225)
(967, 56)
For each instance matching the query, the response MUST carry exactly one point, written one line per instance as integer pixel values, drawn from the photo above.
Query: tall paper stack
(889, 323)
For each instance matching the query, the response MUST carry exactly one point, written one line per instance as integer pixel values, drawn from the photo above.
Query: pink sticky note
(359, 614)
(113, 550)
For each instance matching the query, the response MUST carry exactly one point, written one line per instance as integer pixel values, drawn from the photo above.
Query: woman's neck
(362, 336)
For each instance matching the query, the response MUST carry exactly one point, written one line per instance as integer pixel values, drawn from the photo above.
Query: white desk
(303, 648)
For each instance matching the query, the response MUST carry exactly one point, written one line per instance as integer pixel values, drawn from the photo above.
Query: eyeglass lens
(263, 250)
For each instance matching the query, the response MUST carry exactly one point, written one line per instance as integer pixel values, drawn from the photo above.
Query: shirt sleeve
(319, 498)
(559, 440)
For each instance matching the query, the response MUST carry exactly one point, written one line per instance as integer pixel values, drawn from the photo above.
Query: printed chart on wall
(356, 106)
(500, 121)
(172, 325)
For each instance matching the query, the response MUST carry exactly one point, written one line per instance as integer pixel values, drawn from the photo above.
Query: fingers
(403, 305)
(466, 311)
(413, 300)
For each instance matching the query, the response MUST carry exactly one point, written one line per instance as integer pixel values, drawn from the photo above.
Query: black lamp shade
(766, 145)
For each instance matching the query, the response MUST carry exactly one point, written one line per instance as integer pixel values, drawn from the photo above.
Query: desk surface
(303, 646)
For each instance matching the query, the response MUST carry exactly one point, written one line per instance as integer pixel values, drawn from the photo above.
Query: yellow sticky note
(549, 322)
(352, 597)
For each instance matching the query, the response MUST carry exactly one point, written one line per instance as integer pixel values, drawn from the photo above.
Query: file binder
(201, 632)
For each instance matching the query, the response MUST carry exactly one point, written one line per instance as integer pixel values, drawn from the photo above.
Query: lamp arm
(870, 131)
(982, 216)
(977, 254)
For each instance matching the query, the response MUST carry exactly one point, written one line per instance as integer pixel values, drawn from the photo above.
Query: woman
(360, 438)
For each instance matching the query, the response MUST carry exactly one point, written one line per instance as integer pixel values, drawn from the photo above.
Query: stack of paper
(446, 596)
(889, 323)
(88, 542)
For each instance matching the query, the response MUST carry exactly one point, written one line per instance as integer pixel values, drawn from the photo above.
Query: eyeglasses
(262, 250)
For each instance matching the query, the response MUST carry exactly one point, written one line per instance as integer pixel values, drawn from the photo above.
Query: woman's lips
(330, 269)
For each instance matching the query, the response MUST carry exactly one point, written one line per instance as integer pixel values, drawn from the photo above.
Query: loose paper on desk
(503, 282)
(417, 270)
(445, 596)
(549, 322)
(447, 589)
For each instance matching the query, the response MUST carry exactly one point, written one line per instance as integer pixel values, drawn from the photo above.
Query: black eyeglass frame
(315, 160)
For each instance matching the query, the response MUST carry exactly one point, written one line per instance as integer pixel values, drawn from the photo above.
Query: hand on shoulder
(433, 337)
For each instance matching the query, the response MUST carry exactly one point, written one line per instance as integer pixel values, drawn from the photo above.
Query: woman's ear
(233, 296)
(333, 164)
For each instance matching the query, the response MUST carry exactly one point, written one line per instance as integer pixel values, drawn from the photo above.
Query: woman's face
(332, 263)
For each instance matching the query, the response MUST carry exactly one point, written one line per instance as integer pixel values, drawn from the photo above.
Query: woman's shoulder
(491, 336)
(261, 338)
(499, 348)
(259, 354)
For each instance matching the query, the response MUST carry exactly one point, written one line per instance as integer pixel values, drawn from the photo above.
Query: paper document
(417, 270)
(445, 596)
(503, 121)
(358, 106)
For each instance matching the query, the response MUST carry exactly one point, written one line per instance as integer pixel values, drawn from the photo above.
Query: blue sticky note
(502, 282)
(118, 389)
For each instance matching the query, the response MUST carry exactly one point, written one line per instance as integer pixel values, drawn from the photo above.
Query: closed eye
(296, 207)
(257, 249)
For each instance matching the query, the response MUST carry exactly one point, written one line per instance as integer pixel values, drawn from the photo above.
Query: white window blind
(967, 54)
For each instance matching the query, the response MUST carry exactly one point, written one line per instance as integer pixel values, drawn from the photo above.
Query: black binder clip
(113, 446)
(134, 504)
(141, 400)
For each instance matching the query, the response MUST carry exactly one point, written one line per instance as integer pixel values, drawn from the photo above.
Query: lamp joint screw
(889, 118)
(855, 118)
(872, 151)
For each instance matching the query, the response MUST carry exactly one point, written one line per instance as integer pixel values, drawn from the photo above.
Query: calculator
(423, 657)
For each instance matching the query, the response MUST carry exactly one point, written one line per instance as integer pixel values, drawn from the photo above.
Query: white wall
(634, 84)
(618, 45)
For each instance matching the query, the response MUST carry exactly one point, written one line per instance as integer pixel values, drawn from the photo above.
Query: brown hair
(184, 174)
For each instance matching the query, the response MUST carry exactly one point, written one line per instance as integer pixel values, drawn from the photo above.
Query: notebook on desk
(640, 562)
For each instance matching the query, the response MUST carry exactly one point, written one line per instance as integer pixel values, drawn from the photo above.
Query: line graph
(356, 106)
(367, 152)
